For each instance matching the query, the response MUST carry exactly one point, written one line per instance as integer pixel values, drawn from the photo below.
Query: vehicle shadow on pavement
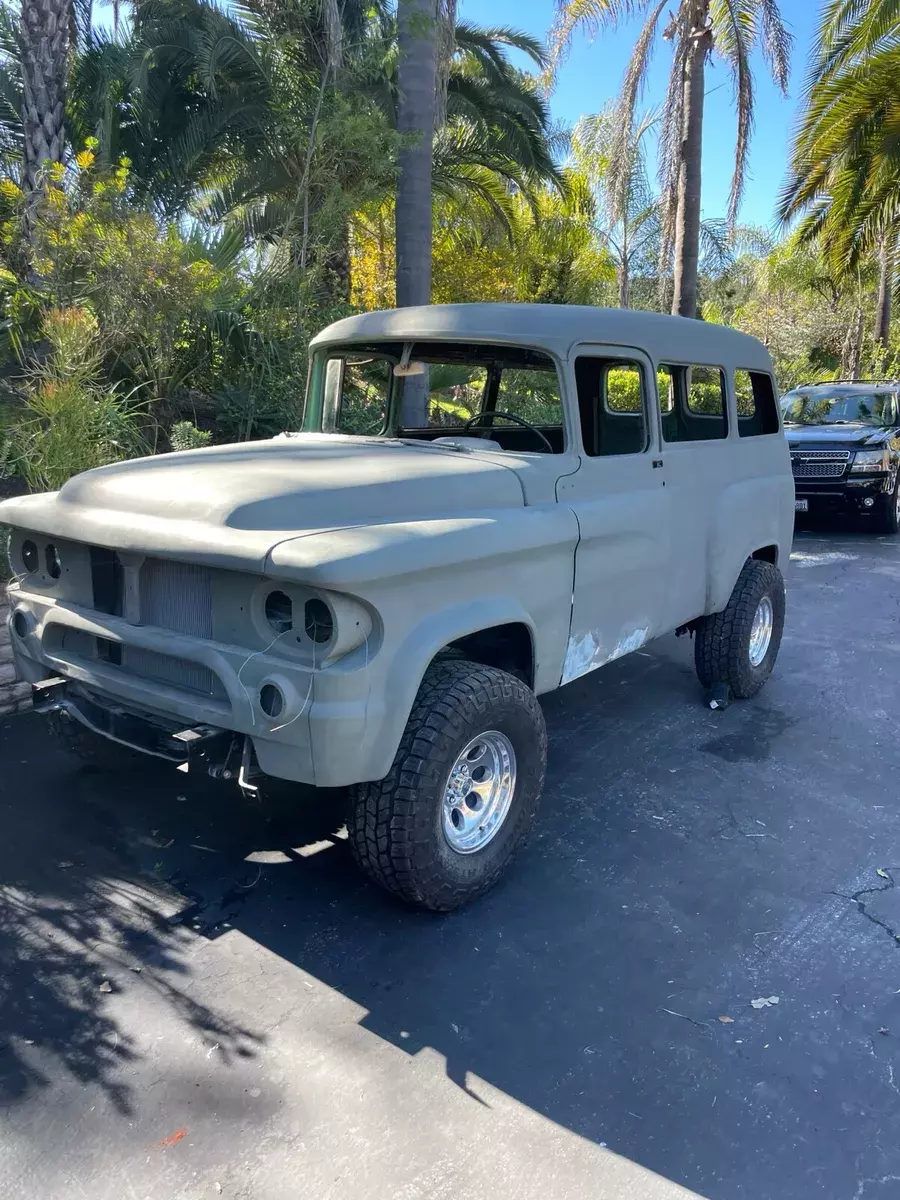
(588, 986)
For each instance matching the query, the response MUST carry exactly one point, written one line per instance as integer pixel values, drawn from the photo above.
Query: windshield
(508, 395)
(838, 407)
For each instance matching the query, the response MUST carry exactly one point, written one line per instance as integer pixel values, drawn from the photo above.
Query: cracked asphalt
(201, 997)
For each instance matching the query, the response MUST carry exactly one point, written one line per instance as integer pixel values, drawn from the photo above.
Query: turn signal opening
(271, 701)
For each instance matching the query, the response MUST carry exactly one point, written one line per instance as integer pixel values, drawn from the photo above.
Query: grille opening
(54, 564)
(30, 555)
(161, 668)
(106, 577)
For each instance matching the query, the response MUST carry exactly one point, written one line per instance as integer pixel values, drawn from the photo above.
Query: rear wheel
(738, 646)
(457, 804)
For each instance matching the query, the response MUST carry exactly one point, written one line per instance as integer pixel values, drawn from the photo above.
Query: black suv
(845, 448)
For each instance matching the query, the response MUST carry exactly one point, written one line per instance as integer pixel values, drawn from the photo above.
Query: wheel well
(767, 554)
(505, 646)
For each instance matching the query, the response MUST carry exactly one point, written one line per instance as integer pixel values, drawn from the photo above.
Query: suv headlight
(870, 460)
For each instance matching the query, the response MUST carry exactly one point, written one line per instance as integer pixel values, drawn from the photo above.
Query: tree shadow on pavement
(78, 912)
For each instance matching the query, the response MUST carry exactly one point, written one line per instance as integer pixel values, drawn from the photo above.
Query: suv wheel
(887, 517)
(457, 804)
(739, 646)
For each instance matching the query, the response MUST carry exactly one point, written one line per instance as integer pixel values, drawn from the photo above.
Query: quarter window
(757, 408)
(692, 402)
(611, 404)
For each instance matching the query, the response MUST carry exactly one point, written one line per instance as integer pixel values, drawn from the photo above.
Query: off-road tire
(395, 826)
(91, 748)
(722, 642)
(886, 517)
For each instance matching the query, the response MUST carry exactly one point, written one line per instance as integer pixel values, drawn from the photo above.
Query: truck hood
(841, 437)
(230, 505)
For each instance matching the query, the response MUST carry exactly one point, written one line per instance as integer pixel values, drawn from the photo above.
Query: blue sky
(592, 74)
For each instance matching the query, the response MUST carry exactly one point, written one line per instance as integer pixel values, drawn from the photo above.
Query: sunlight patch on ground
(802, 559)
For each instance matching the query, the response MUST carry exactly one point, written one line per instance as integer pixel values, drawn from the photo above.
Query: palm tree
(628, 212)
(845, 170)
(697, 29)
(44, 62)
(417, 79)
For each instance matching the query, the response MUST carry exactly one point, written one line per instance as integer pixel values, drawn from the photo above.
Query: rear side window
(692, 403)
(611, 402)
(757, 408)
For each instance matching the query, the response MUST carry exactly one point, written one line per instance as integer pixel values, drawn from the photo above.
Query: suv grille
(819, 464)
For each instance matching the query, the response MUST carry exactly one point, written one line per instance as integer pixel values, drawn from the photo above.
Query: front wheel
(738, 646)
(457, 804)
(887, 516)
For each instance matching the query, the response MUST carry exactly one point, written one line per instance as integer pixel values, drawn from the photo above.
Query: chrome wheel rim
(479, 792)
(761, 631)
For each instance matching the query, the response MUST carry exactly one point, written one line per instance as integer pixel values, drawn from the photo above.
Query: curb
(15, 697)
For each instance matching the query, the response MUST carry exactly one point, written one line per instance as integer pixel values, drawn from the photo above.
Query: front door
(618, 495)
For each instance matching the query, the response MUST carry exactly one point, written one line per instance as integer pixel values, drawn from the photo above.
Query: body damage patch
(585, 652)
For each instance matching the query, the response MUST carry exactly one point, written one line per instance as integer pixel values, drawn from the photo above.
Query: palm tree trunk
(851, 354)
(624, 281)
(45, 48)
(885, 286)
(416, 82)
(687, 221)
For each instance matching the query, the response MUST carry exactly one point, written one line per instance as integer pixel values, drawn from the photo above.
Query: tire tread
(381, 826)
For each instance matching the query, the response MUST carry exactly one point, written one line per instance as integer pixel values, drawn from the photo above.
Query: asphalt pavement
(201, 996)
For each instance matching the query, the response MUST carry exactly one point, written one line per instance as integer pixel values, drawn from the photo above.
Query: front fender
(389, 709)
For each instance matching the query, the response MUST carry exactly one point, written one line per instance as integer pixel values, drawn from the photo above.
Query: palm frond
(623, 147)
(734, 26)
(591, 16)
(777, 42)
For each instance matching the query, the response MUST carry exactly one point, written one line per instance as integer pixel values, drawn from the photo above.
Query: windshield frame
(315, 412)
(835, 396)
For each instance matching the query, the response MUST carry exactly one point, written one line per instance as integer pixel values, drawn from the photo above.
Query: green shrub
(70, 421)
(186, 436)
(6, 571)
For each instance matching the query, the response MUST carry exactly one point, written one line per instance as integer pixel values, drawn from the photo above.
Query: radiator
(177, 596)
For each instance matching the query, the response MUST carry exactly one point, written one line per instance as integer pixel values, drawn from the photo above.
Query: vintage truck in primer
(298, 597)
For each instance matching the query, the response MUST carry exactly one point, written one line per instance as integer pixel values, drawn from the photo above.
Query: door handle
(657, 462)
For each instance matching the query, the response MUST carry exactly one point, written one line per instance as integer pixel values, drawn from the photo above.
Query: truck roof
(556, 328)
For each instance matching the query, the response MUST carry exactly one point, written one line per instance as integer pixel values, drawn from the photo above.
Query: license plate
(801, 506)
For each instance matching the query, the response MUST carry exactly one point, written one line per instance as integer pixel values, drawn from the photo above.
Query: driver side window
(455, 392)
(530, 394)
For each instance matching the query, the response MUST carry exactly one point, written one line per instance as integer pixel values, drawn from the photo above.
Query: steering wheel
(479, 420)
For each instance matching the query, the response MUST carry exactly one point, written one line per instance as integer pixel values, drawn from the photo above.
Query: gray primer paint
(416, 545)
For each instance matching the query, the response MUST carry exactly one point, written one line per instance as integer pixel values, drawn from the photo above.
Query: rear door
(618, 496)
(697, 450)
